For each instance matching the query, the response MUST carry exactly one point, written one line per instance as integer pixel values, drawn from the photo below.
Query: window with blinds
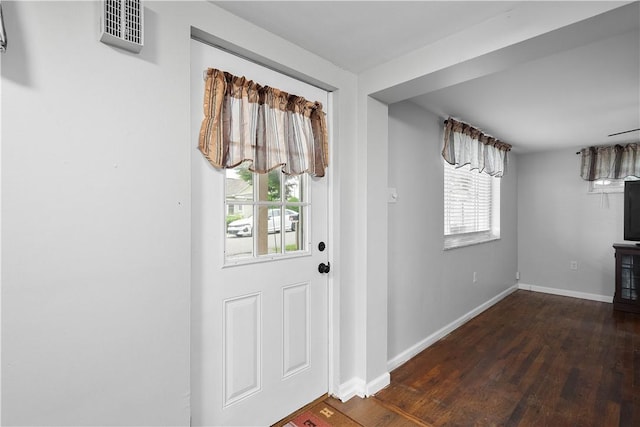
(471, 207)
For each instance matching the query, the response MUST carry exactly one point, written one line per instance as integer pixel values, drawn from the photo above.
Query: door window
(265, 215)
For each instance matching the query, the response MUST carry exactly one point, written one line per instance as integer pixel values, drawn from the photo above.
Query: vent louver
(122, 24)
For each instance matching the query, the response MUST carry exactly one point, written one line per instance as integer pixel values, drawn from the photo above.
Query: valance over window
(613, 161)
(466, 145)
(3, 34)
(245, 121)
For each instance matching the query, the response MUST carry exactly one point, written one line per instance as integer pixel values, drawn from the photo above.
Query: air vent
(122, 24)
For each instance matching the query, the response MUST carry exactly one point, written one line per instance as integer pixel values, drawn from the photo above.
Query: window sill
(455, 242)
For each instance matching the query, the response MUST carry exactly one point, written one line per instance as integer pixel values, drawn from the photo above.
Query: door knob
(322, 268)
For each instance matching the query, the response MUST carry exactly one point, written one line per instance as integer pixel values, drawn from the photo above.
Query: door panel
(242, 359)
(259, 323)
(295, 346)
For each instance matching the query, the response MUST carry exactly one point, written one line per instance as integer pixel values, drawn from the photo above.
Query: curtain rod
(578, 152)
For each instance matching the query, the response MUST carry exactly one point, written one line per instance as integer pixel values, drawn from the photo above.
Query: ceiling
(572, 98)
(358, 35)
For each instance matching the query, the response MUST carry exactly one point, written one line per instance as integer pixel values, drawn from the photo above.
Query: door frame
(333, 279)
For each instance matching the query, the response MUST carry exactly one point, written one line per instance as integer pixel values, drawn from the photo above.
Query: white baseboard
(378, 384)
(446, 330)
(566, 293)
(354, 387)
(357, 387)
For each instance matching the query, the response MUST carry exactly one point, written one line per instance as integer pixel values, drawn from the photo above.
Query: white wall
(95, 224)
(96, 211)
(429, 287)
(559, 222)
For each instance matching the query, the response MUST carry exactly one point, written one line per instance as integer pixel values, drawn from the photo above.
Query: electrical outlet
(475, 277)
(573, 265)
(517, 275)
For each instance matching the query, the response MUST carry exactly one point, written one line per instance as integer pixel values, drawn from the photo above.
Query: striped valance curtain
(613, 162)
(244, 121)
(466, 145)
(3, 34)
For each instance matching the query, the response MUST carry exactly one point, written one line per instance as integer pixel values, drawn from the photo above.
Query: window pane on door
(294, 240)
(239, 184)
(273, 233)
(295, 188)
(269, 187)
(239, 223)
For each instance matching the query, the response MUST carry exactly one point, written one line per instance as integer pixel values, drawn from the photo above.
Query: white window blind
(469, 211)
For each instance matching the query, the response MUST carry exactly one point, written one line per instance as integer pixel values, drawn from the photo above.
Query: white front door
(259, 303)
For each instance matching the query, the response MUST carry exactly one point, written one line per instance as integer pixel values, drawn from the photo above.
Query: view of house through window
(265, 214)
(471, 207)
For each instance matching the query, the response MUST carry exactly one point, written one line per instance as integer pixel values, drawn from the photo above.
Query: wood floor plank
(372, 413)
(531, 360)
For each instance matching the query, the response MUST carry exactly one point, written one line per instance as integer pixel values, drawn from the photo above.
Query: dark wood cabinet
(627, 296)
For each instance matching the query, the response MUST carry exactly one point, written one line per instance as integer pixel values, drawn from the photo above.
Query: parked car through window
(244, 227)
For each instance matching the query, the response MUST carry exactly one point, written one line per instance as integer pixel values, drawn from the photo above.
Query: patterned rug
(321, 415)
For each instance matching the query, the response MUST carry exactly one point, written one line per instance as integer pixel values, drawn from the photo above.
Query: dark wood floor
(531, 360)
